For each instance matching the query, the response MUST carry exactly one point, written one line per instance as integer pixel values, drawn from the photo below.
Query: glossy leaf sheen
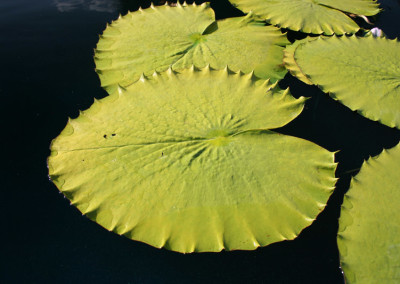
(186, 161)
(361, 73)
(369, 227)
(159, 37)
(310, 16)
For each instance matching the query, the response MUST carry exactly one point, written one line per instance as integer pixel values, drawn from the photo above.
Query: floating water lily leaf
(186, 161)
(369, 225)
(290, 62)
(361, 73)
(159, 37)
(311, 16)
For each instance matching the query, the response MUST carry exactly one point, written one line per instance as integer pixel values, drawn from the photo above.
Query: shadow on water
(50, 76)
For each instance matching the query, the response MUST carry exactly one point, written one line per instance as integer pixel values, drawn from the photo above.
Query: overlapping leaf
(159, 37)
(186, 161)
(369, 231)
(361, 73)
(311, 16)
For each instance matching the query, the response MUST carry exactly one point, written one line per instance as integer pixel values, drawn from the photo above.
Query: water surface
(47, 75)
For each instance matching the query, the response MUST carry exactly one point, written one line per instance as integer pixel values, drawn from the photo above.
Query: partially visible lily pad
(369, 225)
(187, 161)
(311, 16)
(159, 37)
(361, 73)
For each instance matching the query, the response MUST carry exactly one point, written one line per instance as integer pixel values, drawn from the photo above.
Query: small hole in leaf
(105, 136)
(113, 134)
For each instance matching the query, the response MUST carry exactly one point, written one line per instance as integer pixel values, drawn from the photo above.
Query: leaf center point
(219, 137)
(197, 38)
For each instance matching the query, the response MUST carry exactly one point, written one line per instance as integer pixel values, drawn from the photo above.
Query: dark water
(47, 74)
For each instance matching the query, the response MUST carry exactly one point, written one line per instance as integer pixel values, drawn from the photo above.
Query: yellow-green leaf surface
(310, 16)
(369, 225)
(159, 37)
(361, 73)
(186, 161)
(290, 62)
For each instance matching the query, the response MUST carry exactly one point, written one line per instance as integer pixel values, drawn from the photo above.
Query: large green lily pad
(311, 16)
(361, 73)
(186, 161)
(369, 225)
(160, 37)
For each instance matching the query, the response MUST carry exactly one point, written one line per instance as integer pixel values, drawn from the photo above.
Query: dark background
(47, 75)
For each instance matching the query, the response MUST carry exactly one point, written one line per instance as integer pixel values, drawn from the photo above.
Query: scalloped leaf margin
(369, 227)
(186, 161)
(159, 37)
(361, 73)
(311, 16)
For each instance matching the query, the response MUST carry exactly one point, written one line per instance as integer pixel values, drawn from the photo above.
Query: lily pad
(159, 37)
(361, 73)
(186, 161)
(369, 226)
(311, 16)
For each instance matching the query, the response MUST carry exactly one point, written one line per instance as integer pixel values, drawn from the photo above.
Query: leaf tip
(142, 78)
(251, 75)
(169, 70)
(120, 90)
